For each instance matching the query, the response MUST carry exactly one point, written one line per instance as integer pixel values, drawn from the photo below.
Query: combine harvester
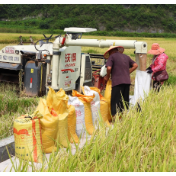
(61, 64)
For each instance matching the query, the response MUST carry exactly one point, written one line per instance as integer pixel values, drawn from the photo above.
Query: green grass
(28, 30)
(11, 107)
(4, 28)
(171, 80)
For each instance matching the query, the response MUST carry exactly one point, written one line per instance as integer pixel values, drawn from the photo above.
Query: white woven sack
(80, 114)
(142, 86)
(103, 71)
(95, 105)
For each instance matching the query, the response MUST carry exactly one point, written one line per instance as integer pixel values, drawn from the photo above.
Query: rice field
(141, 142)
(8, 38)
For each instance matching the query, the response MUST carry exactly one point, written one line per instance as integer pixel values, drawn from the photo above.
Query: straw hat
(155, 49)
(120, 50)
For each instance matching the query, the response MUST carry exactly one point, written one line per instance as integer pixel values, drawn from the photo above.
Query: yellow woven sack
(87, 107)
(60, 101)
(49, 98)
(49, 126)
(97, 90)
(62, 132)
(61, 111)
(72, 136)
(107, 96)
(28, 137)
(104, 108)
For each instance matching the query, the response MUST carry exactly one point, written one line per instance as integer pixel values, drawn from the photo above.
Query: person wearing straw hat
(158, 64)
(119, 66)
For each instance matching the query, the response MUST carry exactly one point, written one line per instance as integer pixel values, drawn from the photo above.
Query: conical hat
(155, 49)
(120, 50)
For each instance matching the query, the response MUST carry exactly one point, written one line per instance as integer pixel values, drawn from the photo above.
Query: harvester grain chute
(61, 64)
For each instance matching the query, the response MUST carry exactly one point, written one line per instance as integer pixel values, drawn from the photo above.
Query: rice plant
(141, 142)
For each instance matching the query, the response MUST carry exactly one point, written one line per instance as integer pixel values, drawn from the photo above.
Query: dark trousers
(156, 85)
(118, 94)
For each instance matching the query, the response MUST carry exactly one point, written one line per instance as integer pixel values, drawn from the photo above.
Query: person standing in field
(119, 66)
(158, 64)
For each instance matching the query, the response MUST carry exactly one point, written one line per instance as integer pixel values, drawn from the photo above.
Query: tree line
(104, 17)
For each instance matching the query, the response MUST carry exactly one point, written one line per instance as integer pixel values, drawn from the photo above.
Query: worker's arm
(134, 67)
(108, 73)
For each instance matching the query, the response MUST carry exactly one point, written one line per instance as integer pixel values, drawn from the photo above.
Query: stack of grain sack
(60, 120)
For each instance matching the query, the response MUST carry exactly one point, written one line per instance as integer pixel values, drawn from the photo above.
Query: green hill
(114, 17)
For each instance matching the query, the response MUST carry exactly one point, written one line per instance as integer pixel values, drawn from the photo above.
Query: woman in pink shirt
(159, 63)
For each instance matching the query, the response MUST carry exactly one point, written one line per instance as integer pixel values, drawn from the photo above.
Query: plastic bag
(49, 125)
(142, 86)
(103, 71)
(87, 107)
(28, 137)
(104, 108)
(60, 110)
(72, 136)
(95, 104)
(80, 113)
(107, 96)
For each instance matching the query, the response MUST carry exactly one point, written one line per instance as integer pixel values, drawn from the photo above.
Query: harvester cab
(61, 64)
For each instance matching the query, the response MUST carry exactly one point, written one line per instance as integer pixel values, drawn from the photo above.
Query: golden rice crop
(142, 142)
(14, 38)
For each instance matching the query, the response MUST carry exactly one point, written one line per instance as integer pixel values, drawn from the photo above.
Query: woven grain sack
(104, 107)
(107, 96)
(49, 98)
(95, 104)
(60, 101)
(105, 111)
(72, 136)
(28, 137)
(59, 105)
(80, 113)
(49, 125)
(62, 129)
(87, 108)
